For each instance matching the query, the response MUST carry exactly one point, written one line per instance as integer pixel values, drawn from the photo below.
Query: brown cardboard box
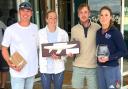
(18, 60)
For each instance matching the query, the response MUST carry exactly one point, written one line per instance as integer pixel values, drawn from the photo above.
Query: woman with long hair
(110, 39)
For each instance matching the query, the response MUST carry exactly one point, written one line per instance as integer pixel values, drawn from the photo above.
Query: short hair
(83, 5)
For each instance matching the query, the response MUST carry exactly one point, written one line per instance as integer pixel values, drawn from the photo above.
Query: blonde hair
(50, 11)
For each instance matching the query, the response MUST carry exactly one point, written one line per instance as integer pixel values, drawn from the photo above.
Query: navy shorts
(3, 65)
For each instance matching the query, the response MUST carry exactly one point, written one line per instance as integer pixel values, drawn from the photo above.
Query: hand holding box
(18, 60)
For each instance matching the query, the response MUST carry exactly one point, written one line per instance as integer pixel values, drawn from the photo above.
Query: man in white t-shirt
(21, 37)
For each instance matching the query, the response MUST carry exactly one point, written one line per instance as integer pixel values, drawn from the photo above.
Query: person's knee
(92, 82)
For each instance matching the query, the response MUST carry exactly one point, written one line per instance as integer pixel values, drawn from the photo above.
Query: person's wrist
(9, 61)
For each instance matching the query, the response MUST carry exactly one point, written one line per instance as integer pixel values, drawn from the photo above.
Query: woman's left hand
(103, 59)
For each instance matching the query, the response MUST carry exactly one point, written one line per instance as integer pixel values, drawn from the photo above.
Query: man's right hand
(13, 66)
(70, 55)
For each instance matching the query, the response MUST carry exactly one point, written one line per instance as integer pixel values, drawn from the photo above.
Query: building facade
(66, 10)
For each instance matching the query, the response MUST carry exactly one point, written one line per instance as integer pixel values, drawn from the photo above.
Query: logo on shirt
(107, 36)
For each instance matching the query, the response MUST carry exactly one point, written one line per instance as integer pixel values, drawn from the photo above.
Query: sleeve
(66, 39)
(66, 36)
(120, 46)
(37, 37)
(63, 36)
(40, 39)
(72, 35)
(98, 27)
(6, 38)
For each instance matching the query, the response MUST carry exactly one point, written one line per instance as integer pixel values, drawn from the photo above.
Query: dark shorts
(3, 65)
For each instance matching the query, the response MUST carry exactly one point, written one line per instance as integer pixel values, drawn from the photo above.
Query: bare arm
(6, 56)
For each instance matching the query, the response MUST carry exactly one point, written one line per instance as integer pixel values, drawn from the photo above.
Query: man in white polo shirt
(21, 37)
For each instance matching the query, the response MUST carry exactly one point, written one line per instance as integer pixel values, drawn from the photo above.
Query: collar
(87, 24)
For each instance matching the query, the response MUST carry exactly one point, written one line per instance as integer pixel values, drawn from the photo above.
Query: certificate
(60, 48)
